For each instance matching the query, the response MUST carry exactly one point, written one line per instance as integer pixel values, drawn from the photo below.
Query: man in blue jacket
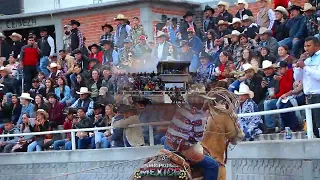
(298, 30)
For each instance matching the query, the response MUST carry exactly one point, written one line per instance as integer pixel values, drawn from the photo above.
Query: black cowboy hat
(72, 22)
(174, 19)
(208, 8)
(108, 26)
(97, 105)
(188, 13)
(52, 95)
(141, 100)
(94, 45)
(204, 55)
(295, 7)
(44, 29)
(164, 17)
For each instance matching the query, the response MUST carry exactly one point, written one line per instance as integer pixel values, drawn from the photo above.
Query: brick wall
(91, 24)
(158, 10)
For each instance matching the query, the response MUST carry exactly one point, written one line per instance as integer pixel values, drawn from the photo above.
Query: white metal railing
(307, 109)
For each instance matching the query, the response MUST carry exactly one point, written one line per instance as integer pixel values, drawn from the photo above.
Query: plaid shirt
(311, 22)
(205, 75)
(108, 37)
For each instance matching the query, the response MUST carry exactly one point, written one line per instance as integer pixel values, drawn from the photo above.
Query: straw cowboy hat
(246, 5)
(235, 20)
(247, 67)
(267, 64)
(53, 65)
(225, 4)
(282, 10)
(249, 18)
(44, 113)
(120, 17)
(244, 89)
(83, 90)
(264, 30)
(17, 35)
(25, 96)
(161, 33)
(308, 7)
(222, 22)
(2, 35)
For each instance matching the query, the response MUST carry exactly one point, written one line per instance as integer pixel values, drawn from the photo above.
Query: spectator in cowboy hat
(223, 30)
(77, 41)
(223, 8)
(250, 28)
(187, 54)
(266, 40)
(107, 29)
(84, 101)
(122, 31)
(236, 24)
(265, 16)
(311, 19)
(5, 49)
(251, 125)
(7, 80)
(17, 44)
(279, 28)
(27, 106)
(47, 46)
(96, 52)
(188, 22)
(297, 32)
(209, 21)
(54, 71)
(243, 9)
(110, 56)
(161, 51)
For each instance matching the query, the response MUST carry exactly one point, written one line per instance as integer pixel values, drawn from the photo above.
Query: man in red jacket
(285, 85)
(29, 57)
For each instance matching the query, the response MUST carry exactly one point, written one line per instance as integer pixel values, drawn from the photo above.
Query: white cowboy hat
(235, 32)
(246, 5)
(235, 20)
(246, 17)
(43, 112)
(53, 65)
(266, 64)
(120, 17)
(225, 4)
(2, 35)
(14, 34)
(161, 33)
(25, 96)
(247, 66)
(83, 90)
(103, 91)
(282, 10)
(222, 22)
(264, 30)
(244, 89)
(308, 7)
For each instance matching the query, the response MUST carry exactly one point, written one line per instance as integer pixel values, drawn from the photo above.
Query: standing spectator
(173, 30)
(308, 72)
(249, 125)
(17, 44)
(266, 40)
(143, 49)
(47, 47)
(55, 111)
(77, 41)
(209, 20)
(136, 31)
(29, 56)
(188, 22)
(84, 101)
(5, 49)
(195, 42)
(96, 52)
(7, 143)
(265, 16)
(107, 36)
(250, 28)
(280, 29)
(312, 22)
(66, 39)
(110, 56)
(297, 32)
(123, 30)
(243, 9)
(224, 15)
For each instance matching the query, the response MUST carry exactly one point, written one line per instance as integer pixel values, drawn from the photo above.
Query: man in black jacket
(243, 9)
(209, 21)
(47, 47)
(82, 122)
(253, 80)
(5, 49)
(223, 12)
(188, 23)
(77, 41)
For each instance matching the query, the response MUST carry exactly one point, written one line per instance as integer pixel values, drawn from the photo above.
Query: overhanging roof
(98, 6)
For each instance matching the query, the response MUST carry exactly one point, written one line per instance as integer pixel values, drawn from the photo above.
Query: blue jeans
(43, 66)
(270, 104)
(105, 143)
(97, 137)
(73, 79)
(32, 146)
(57, 144)
(84, 142)
(295, 46)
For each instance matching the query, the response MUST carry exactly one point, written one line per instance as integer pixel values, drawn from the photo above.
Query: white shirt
(310, 74)
(51, 44)
(160, 50)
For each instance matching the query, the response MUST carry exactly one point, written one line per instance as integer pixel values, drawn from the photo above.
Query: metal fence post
(309, 123)
(73, 140)
(151, 138)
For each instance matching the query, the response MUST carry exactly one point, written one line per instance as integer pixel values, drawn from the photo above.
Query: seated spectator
(194, 41)
(292, 98)
(84, 101)
(7, 80)
(36, 88)
(81, 81)
(247, 43)
(285, 85)
(63, 91)
(56, 109)
(96, 52)
(280, 29)
(311, 15)
(98, 121)
(205, 73)
(66, 143)
(110, 56)
(220, 69)
(250, 28)
(54, 71)
(210, 46)
(265, 16)
(81, 60)
(42, 78)
(266, 40)
(82, 122)
(94, 65)
(223, 8)
(65, 63)
(264, 54)
(24, 141)
(105, 97)
(188, 55)
(247, 58)
(49, 88)
(283, 52)
(268, 84)
(107, 80)
(236, 24)
(12, 109)
(249, 125)
(41, 124)
(39, 103)
(133, 136)
(297, 31)
(7, 143)
(234, 48)
(142, 49)
(27, 106)
(94, 84)
(13, 66)
(223, 30)
(243, 9)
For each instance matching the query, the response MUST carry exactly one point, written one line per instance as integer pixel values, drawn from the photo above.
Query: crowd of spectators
(271, 62)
